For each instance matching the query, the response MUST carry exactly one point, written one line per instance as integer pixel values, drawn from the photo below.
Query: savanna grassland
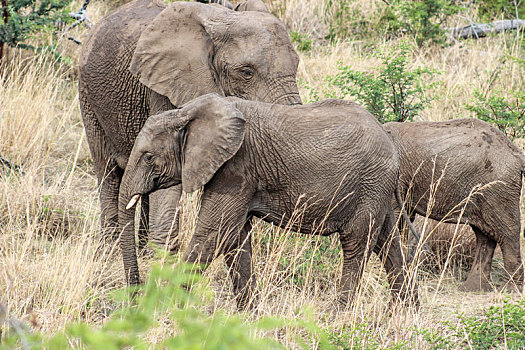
(55, 269)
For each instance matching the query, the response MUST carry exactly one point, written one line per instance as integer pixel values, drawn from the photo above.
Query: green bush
(166, 293)
(22, 19)
(499, 327)
(422, 19)
(395, 93)
(344, 21)
(301, 41)
(506, 110)
(494, 9)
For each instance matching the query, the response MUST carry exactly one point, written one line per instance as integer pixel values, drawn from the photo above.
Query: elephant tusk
(133, 201)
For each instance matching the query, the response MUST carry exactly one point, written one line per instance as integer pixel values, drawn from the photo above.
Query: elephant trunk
(287, 93)
(127, 225)
(292, 99)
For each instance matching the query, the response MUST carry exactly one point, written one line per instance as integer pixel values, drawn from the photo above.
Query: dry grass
(53, 268)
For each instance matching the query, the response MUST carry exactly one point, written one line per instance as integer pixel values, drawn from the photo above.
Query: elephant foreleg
(143, 224)
(164, 218)
(240, 268)
(109, 189)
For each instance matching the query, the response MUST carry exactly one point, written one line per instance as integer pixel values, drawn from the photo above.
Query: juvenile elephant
(147, 57)
(330, 160)
(446, 161)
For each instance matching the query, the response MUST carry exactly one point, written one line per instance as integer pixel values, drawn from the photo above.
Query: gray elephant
(454, 158)
(330, 161)
(147, 57)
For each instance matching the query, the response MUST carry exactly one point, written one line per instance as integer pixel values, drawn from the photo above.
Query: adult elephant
(147, 57)
(466, 171)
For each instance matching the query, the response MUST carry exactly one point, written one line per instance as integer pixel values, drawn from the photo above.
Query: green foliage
(506, 110)
(494, 9)
(302, 42)
(356, 337)
(499, 327)
(395, 93)
(166, 293)
(25, 18)
(422, 18)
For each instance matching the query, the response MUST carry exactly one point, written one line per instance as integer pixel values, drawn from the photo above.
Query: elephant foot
(476, 285)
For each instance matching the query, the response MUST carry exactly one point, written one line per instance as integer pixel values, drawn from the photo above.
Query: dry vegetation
(53, 268)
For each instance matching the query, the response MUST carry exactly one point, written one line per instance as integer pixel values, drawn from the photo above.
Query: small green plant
(395, 93)
(302, 42)
(22, 19)
(423, 18)
(505, 111)
(166, 293)
(499, 327)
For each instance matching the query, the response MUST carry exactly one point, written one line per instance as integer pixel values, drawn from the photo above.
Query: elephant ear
(213, 136)
(174, 53)
(252, 5)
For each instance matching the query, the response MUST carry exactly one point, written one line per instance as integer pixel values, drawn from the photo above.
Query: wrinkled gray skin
(467, 153)
(147, 57)
(331, 161)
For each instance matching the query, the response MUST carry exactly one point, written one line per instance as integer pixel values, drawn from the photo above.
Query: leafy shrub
(506, 111)
(344, 21)
(302, 42)
(395, 93)
(423, 18)
(21, 19)
(494, 9)
(166, 293)
(499, 327)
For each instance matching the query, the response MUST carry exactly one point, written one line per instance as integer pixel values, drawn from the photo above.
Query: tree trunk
(482, 29)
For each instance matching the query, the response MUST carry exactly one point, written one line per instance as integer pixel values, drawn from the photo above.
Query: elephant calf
(442, 162)
(330, 160)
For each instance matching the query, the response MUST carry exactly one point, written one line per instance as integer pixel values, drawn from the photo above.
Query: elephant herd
(189, 95)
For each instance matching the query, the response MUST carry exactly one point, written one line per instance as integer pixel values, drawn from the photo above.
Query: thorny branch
(81, 17)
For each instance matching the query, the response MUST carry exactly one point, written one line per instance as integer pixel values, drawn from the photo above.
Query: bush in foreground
(166, 294)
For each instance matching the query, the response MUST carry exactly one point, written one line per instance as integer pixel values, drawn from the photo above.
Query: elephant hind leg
(388, 248)
(513, 280)
(357, 242)
(479, 276)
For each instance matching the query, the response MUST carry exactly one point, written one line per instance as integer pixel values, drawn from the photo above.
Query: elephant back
(105, 81)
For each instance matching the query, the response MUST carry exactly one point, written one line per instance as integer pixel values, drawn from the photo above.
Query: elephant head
(186, 145)
(191, 49)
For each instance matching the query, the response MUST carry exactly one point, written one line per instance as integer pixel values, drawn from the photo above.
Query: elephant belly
(306, 217)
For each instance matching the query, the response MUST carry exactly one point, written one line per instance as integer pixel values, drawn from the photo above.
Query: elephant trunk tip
(133, 201)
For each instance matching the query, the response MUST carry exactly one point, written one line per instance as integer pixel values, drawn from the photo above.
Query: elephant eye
(148, 157)
(247, 72)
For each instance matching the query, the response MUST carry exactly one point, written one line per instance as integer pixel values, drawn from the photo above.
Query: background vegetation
(58, 283)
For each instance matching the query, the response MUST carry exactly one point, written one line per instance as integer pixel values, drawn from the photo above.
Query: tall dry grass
(54, 269)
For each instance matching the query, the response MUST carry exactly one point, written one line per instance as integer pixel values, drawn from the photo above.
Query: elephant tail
(410, 225)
